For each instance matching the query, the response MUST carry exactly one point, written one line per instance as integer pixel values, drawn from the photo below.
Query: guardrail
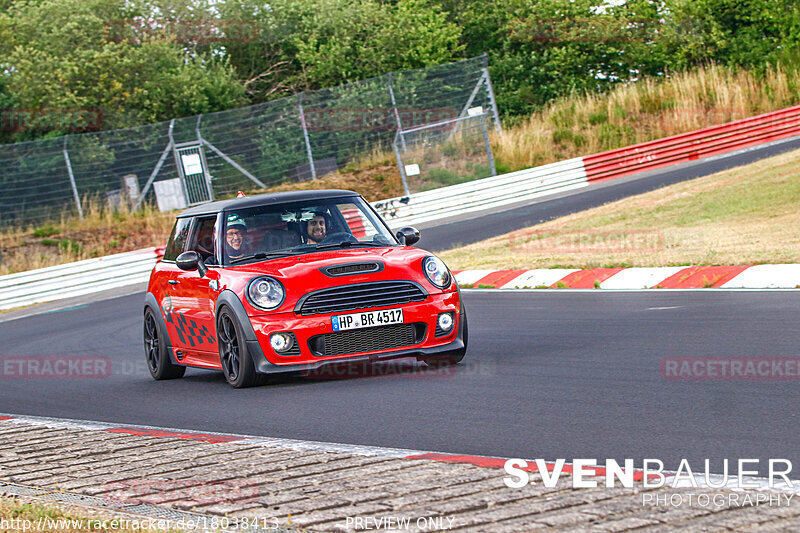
(695, 145)
(93, 275)
(485, 193)
(76, 279)
(575, 173)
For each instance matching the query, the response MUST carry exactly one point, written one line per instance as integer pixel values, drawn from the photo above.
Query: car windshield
(281, 230)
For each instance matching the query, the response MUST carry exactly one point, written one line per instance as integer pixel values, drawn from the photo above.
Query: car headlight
(436, 271)
(265, 293)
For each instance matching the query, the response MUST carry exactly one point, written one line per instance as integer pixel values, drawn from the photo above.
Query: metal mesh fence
(291, 139)
(445, 153)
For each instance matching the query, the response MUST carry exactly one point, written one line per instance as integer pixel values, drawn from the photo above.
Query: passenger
(235, 235)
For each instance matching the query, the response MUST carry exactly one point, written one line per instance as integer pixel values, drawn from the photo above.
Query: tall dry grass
(649, 109)
(104, 230)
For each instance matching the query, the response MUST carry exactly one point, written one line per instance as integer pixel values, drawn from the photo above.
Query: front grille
(367, 340)
(360, 296)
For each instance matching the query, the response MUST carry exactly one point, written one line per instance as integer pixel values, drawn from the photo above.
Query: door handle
(173, 282)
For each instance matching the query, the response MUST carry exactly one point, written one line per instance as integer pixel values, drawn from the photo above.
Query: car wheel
(454, 357)
(237, 365)
(155, 350)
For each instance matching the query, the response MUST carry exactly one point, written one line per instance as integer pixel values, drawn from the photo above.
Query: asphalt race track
(477, 228)
(549, 374)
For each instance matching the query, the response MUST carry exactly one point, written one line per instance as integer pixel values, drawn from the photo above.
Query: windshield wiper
(263, 255)
(340, 244)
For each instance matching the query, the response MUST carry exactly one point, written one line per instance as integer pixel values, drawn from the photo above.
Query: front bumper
(267, 361)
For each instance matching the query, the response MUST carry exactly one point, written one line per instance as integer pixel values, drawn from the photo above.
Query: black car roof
(265, 199)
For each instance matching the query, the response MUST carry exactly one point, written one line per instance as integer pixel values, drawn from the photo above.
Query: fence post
(400, 162)
(491, 92)
(305, 136)
(156, 170)
(396, 114)
(72, 178)
(488, 145)
(206, 171)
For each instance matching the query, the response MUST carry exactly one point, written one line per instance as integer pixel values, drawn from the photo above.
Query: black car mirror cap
(191, 260)
(408, 235)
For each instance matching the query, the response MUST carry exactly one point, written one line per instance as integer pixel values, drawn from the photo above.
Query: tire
(456, 356)
(237, 365)
(155, 350)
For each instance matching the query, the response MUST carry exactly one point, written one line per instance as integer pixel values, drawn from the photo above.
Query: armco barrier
(483, 194)
(695, 145)
(76, 279)
(85, 277)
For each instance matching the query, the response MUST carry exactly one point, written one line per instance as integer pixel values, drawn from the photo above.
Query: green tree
(66, 54)
(312, 44)
(750, 33)
(557, 47)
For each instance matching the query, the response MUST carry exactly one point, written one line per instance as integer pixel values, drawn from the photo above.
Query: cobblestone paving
(315, 490)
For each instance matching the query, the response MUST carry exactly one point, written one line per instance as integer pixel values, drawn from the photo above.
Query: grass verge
(17, 515)
(650, 109)
(746, 215)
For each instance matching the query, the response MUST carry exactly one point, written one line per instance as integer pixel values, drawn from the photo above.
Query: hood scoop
(349, 269)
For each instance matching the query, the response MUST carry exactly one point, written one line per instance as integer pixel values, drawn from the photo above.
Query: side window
(203, 239)
(177, 241)
(359, 225)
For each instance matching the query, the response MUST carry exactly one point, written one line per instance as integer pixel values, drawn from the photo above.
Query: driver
(316, 229)
(235, 234)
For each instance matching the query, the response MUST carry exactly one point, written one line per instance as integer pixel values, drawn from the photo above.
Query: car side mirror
(408, 235)
(191, 260)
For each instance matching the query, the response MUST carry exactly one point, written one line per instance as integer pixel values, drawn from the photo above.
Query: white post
(396, 115)
(305, 136)
(72, 179)
(491, 92)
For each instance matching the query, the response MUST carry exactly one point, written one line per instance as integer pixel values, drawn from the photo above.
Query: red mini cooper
(292, 281)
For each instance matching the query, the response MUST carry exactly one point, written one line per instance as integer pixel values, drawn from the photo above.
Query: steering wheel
(339, 236)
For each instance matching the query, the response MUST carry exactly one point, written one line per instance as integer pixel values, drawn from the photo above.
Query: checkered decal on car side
(188, 330)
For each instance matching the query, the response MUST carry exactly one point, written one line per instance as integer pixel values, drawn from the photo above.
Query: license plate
(368, 319)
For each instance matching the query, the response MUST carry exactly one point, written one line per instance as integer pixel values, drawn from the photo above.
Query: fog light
(444, 324)
(281, 342)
